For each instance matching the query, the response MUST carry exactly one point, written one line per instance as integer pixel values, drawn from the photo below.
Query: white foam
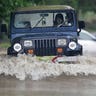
(30, 67)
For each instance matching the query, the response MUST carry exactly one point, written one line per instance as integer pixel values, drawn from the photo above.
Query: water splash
(31, 67)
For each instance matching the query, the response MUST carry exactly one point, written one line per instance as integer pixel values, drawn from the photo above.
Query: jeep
(45, 31)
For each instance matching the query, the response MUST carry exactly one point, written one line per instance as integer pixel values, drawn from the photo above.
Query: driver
(59, 19)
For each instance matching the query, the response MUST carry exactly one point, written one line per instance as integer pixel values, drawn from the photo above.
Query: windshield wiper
(38, 22)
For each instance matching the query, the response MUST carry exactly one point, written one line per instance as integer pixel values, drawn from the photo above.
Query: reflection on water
(30, 67)
(59, 86)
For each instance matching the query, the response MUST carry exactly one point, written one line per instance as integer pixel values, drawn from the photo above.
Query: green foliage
(4, 45)
(6, 6)
(73, 3)
(87, 5)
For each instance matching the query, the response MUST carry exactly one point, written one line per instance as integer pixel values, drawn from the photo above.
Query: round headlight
(17, 47)
(61, 42)
(72, 45)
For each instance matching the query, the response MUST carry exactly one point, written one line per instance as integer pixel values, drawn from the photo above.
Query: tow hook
(54, 59)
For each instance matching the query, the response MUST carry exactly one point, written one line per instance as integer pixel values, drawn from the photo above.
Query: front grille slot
(45, 47)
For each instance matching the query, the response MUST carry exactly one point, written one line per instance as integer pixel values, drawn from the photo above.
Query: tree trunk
(1, 37)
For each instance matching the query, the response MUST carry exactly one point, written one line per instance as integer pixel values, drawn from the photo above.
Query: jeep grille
(45, 47)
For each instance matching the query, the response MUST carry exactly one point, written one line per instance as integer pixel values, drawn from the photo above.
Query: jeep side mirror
(81, 24)
(3, 28)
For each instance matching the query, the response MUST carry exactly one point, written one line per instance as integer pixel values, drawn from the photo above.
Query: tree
(6, 6)
(10, 5)
(87, 5)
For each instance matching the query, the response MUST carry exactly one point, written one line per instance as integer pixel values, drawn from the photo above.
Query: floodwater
(32, 76)
(59, 86)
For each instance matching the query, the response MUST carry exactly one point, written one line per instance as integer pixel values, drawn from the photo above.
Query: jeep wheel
(10, 52)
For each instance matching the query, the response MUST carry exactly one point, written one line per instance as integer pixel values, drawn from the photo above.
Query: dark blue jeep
(45, 31)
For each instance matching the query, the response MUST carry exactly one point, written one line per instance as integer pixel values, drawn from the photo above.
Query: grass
(4, 44)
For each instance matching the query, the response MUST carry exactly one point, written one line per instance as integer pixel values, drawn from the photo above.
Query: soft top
(51, 7)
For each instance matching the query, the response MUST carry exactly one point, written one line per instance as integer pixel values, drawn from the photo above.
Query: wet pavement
(57, 86)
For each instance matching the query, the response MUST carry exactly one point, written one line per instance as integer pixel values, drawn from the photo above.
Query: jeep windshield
(52, 19)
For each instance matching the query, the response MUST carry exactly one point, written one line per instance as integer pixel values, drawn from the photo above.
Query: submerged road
(51, 86)
(59, 86)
